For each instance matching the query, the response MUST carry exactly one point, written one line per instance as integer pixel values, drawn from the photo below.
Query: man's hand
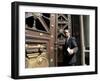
(71, 51)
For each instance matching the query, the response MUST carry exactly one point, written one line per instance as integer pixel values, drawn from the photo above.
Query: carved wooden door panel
(38, 45)
(37, 35)
(63, 21)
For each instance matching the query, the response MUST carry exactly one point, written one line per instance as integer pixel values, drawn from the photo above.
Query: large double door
(44, 33)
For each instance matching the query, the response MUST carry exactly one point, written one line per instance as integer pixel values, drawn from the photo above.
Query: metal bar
(56, 42)
(69, 23)
(52, 39)
(64, 17)
(46, 17)
(43, 23)
(65, 26)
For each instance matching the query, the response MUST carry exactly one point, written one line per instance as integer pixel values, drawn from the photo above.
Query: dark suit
(70, 59)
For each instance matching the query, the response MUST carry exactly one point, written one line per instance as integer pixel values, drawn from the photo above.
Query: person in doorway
(70, 49)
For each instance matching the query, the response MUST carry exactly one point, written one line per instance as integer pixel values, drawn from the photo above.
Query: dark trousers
(67, 61)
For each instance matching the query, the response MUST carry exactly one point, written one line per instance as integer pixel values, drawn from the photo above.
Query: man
(70, 49)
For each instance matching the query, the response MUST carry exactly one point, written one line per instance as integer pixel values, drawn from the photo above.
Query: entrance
(44, 33)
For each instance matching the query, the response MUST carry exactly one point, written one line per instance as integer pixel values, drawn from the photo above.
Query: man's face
(67, 34)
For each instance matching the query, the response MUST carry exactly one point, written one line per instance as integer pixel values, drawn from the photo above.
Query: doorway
(45, 31)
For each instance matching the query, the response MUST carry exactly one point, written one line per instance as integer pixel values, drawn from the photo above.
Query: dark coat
(72, 44)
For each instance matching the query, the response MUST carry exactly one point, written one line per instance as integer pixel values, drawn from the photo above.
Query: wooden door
(63, 21)
(39, 42)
